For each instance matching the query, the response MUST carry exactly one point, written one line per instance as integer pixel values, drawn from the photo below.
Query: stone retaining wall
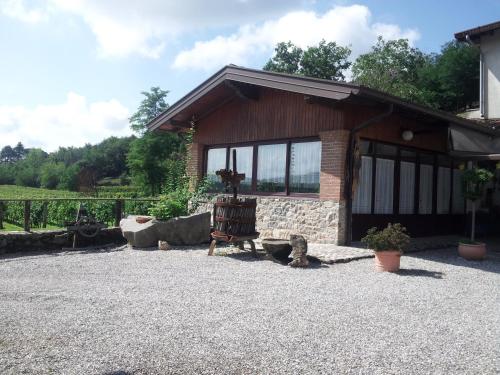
(13, 242)
(319, 221)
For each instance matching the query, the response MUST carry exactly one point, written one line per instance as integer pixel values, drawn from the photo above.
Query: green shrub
(473, 182)
(394, 237)
(168, 207)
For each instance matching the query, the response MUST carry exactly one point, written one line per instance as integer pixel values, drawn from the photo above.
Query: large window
(271, 168)
(406, 188)
(282, 168)
(393, 180)
(384, 186)
(216, 159)
(305, 163)
(244, 163)
(362, 201)
(458, 202)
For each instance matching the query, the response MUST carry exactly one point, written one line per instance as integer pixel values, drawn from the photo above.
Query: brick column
(334, 146)
(333, 157)
(194, 165)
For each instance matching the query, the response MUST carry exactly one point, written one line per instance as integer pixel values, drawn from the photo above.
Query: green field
(21, 192)
(59, 212)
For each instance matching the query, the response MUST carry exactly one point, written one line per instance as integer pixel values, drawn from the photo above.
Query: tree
(453, 76)
(151, 156)
(7, 155)
(19, 151)
(394, 67)
(50, 174)
(151, 106)
(326, 60)
(286, 59)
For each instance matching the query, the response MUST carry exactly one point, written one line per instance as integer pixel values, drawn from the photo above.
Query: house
(329, 159)
(487, 37)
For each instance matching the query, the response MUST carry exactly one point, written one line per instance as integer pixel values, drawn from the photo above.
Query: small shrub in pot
(473, 183)
(388, 244)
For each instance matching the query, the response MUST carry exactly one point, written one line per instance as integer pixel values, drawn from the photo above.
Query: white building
(487, 37)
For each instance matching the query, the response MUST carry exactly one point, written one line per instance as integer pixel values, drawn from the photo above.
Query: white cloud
(346, 25)
(72, 123)
(146, 27)
(17, 9)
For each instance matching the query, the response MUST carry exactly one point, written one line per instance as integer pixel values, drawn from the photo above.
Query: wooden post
(27, 214)
(45, 213)
(118, 212)
(1, 214)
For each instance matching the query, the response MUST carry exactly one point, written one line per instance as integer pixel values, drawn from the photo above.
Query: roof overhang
(232, 81)
(476, 32)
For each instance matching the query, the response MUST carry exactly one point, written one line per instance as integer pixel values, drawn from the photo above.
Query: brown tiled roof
(476, 32)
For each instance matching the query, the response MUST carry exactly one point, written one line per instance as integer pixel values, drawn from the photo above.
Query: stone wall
(319, 221)
(14, 242)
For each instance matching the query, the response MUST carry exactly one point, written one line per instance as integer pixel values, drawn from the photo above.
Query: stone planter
(472, 251)
(277, 248)
(387, 261)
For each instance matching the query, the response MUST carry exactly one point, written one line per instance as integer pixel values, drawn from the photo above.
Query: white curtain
(443, 190)
(458, 202)
(305, 163)
(362, 202)
(271, 168)
(406, 187)
(216, 159)
(244, 163)
(384, 186)
(425, 189)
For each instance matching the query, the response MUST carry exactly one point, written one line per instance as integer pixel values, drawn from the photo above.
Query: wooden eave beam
(243, 91)
(181, 124)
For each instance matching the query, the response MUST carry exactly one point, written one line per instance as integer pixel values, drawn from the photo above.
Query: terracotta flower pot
(387, 261)
(472, 251)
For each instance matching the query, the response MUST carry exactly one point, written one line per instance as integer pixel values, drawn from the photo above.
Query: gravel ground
(157, 312)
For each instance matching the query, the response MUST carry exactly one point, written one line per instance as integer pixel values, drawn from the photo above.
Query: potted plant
(388, 244)
(473, 183)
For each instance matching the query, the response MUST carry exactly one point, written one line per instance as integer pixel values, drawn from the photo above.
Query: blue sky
(71, 71)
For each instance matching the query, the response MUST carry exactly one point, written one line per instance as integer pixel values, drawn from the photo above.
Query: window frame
(452, 164)
(255, 145)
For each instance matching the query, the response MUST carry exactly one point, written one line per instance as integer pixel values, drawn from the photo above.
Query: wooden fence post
(27, 214)
(118, 211)
(45, 214)
(1, 214)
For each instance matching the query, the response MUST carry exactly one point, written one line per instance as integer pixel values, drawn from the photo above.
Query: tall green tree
(394, 67)
(151, 106)
(453, 76)
(326, 60)
(152, 156)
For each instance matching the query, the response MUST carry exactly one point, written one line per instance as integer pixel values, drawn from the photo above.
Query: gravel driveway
(157, 312)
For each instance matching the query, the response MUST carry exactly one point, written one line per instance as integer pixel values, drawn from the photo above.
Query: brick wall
(333, 156)
(194, 167)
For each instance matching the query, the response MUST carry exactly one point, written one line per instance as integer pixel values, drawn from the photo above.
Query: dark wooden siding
(428, 136)
(276, 115)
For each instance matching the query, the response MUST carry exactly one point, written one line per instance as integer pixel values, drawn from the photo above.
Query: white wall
(490, 47)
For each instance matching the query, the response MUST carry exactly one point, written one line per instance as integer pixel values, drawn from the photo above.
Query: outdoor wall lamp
(407, 135)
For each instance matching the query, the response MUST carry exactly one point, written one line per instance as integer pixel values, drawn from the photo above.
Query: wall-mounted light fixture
(407, 135)
(461, 166)
(498, 165)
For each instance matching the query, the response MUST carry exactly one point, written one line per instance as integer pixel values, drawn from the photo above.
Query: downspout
(481, 76)
(349, 171)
